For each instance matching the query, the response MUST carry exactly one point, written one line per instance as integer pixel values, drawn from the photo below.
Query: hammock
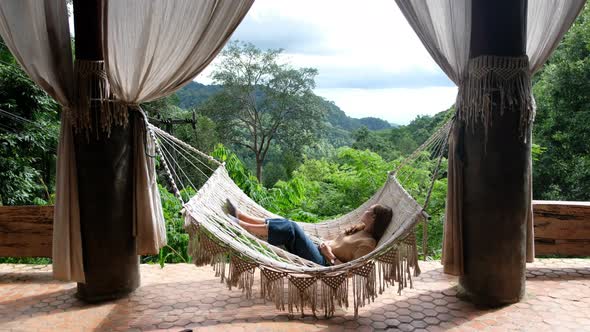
(289, 281)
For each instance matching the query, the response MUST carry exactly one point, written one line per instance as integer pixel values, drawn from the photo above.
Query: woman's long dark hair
(383, 216)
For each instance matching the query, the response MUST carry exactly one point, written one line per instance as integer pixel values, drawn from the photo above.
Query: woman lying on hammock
(353, 243)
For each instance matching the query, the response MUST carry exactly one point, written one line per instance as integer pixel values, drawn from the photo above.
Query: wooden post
(496, 181)
(105, 183)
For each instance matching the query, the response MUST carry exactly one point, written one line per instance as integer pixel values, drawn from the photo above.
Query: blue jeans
(287, 233)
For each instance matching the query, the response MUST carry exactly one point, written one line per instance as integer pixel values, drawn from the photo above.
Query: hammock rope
(290, 281)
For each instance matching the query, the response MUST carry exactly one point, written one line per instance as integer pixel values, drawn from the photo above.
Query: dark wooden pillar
(105, 183)
(496, 182)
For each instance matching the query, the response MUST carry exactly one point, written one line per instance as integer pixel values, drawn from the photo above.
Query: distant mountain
(339, 119)
(339, 125)
(375, 123)
(194, 94)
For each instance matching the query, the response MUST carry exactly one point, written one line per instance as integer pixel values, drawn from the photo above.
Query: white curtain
(444, 27)
(152, 48)
(37, 33)
(547, 22)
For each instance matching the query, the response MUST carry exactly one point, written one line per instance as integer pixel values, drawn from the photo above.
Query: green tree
(366, 139)
(29, 126)
(562, 125)
(263, 101)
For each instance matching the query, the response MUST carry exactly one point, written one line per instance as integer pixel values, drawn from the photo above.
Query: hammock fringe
(320, 292)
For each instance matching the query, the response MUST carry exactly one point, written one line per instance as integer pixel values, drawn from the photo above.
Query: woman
(353, 243)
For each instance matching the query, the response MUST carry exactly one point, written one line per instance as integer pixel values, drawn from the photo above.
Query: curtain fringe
(496, 80)
(93, 91)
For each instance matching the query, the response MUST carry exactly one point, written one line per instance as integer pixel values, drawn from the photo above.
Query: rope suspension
(150, 130)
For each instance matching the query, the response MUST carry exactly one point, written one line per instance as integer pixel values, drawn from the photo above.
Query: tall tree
(562, 125)
(28, 135)
(264, 100)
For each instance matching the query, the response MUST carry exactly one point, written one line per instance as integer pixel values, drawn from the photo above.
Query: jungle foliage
(562, 125)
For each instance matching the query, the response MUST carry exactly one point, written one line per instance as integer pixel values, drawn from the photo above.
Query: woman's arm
(326, 250)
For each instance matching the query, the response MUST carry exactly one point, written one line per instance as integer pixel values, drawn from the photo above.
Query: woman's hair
(383, 216)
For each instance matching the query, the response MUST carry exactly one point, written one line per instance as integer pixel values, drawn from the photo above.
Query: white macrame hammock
(289, 281)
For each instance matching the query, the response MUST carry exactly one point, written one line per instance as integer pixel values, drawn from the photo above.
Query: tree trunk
(105, 184)
(496, 172)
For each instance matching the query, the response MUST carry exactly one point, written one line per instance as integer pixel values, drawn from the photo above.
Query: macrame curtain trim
(93, 92)
(496, 80)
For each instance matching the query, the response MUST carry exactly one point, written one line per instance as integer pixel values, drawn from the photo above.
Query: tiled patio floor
(185, 297)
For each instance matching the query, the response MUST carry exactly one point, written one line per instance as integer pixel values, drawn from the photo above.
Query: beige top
(350, 247)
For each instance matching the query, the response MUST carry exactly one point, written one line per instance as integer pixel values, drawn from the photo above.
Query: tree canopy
(562, 124)
(263, 100)
(28, 137)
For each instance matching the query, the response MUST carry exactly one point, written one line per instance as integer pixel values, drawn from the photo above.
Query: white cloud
(370, 61)
(338, 32)
(396, 105)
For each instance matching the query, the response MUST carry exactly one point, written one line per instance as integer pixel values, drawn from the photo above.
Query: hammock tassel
(302, 293)
(388, 263)
(272, 287)
(334, 290)
(241, 275)
(363, 286)
(206, 251)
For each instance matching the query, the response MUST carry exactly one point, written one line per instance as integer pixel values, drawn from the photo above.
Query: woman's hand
(326, 250)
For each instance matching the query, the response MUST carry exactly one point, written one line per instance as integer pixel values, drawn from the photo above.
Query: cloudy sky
(369, 59)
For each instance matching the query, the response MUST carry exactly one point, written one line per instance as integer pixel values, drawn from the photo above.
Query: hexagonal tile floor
(181, 296)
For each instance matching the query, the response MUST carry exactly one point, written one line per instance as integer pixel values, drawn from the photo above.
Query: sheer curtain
(152, 48)
(444, 27)
(37, 33)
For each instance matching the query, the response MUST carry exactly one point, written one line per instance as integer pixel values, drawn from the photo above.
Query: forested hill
(194, 94)
(337, 118)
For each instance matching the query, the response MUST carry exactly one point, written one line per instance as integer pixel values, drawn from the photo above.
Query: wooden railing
(561, 228)
(26, 231)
